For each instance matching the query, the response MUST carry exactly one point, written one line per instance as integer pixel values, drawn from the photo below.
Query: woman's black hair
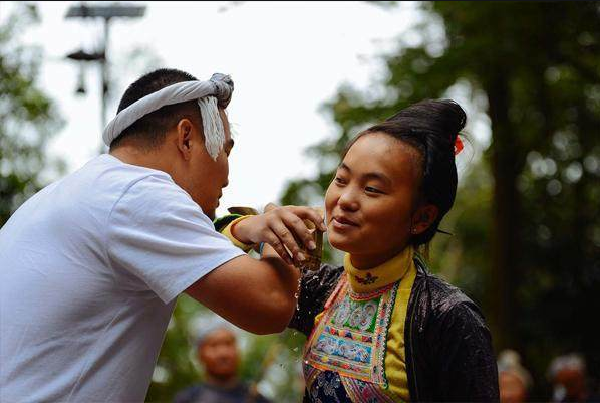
(431, 127)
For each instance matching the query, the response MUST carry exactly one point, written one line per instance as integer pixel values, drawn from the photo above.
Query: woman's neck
(368, 261)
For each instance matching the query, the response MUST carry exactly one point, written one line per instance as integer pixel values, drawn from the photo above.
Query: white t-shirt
(89, 271)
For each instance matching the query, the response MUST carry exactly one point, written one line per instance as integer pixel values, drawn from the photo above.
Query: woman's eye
(371, 189)
(339, 180)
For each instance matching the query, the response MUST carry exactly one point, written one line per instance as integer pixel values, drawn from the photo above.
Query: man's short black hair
(150, 130)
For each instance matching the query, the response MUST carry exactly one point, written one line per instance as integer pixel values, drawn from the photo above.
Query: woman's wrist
(232, 232)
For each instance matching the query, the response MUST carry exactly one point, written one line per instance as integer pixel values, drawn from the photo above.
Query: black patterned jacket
(449, 355)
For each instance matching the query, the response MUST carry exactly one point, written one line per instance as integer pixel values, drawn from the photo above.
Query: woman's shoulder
(444, 297)
(315, 288)
(445, 293)
(450, 304)
(326, 277)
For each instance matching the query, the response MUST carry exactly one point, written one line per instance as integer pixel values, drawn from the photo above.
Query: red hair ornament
(458, 146)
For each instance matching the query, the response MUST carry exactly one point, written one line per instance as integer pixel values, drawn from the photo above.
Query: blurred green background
(526, 243)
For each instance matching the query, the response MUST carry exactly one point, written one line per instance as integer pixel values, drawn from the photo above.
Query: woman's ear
(422, 218)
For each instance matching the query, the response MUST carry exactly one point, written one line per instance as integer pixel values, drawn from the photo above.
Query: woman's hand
(281, 227)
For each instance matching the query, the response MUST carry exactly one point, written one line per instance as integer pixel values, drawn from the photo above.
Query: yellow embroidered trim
(371, 279)
(395, 353)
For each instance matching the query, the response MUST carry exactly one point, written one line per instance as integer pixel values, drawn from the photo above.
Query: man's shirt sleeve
(156, 232)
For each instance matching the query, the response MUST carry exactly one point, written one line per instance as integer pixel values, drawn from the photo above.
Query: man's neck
(134, 156)
(222, 383)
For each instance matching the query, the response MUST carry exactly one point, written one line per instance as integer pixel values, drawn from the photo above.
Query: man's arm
(260, 296)
(256, 295)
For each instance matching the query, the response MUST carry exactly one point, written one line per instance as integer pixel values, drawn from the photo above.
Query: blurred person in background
(218, 352)
(515, 380)
(568, 375)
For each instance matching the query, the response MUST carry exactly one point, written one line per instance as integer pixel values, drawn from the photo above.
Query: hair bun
(452, 117)
(442, 118)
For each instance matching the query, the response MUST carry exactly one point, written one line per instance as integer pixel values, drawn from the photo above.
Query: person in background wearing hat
(91, 265)
(568, 375)
(218, 352)
(515, 381)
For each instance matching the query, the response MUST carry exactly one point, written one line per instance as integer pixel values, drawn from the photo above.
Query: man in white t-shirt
(90, 266)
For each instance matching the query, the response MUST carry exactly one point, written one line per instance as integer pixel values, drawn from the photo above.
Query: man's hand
(280, 227)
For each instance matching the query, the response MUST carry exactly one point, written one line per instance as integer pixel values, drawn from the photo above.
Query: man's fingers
(287, 224)
(285, 236)
(274, 241)
(269, 207)
(311, 214)
(302, 232)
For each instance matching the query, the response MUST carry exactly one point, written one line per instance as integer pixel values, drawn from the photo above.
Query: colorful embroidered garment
(352, 333)
(346, 353)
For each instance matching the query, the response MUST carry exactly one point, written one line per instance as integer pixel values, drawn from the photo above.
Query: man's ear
(185, 135)
(422, 218)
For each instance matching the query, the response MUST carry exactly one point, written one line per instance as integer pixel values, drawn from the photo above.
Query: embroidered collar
(379, 276)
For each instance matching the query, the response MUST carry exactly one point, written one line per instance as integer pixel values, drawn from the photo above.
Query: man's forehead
(218, 335)
(228, 140)
(224, 117)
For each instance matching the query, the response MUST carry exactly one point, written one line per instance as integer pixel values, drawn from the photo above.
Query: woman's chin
(340, 242)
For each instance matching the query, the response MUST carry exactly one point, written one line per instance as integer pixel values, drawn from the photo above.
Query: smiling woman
(372, 197)
(381, 327)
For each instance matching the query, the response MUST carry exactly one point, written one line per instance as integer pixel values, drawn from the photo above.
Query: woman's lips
(342, 223)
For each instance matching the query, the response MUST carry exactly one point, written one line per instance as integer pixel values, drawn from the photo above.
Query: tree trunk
(506, 210)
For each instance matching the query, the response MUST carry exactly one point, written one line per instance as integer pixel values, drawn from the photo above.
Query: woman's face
(370, 201)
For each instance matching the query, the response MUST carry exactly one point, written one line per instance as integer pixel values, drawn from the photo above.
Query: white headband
(210, 94)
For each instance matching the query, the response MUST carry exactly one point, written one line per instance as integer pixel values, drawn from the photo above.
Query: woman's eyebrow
(344, 167)
(370, 175)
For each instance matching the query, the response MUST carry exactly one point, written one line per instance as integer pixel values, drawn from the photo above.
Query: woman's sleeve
(315, 288)
(466, 362)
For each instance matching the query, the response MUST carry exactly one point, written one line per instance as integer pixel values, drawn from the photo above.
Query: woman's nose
(348, 200)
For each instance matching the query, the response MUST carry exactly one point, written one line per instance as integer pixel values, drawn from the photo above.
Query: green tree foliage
(526, 219)
(26, 115)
